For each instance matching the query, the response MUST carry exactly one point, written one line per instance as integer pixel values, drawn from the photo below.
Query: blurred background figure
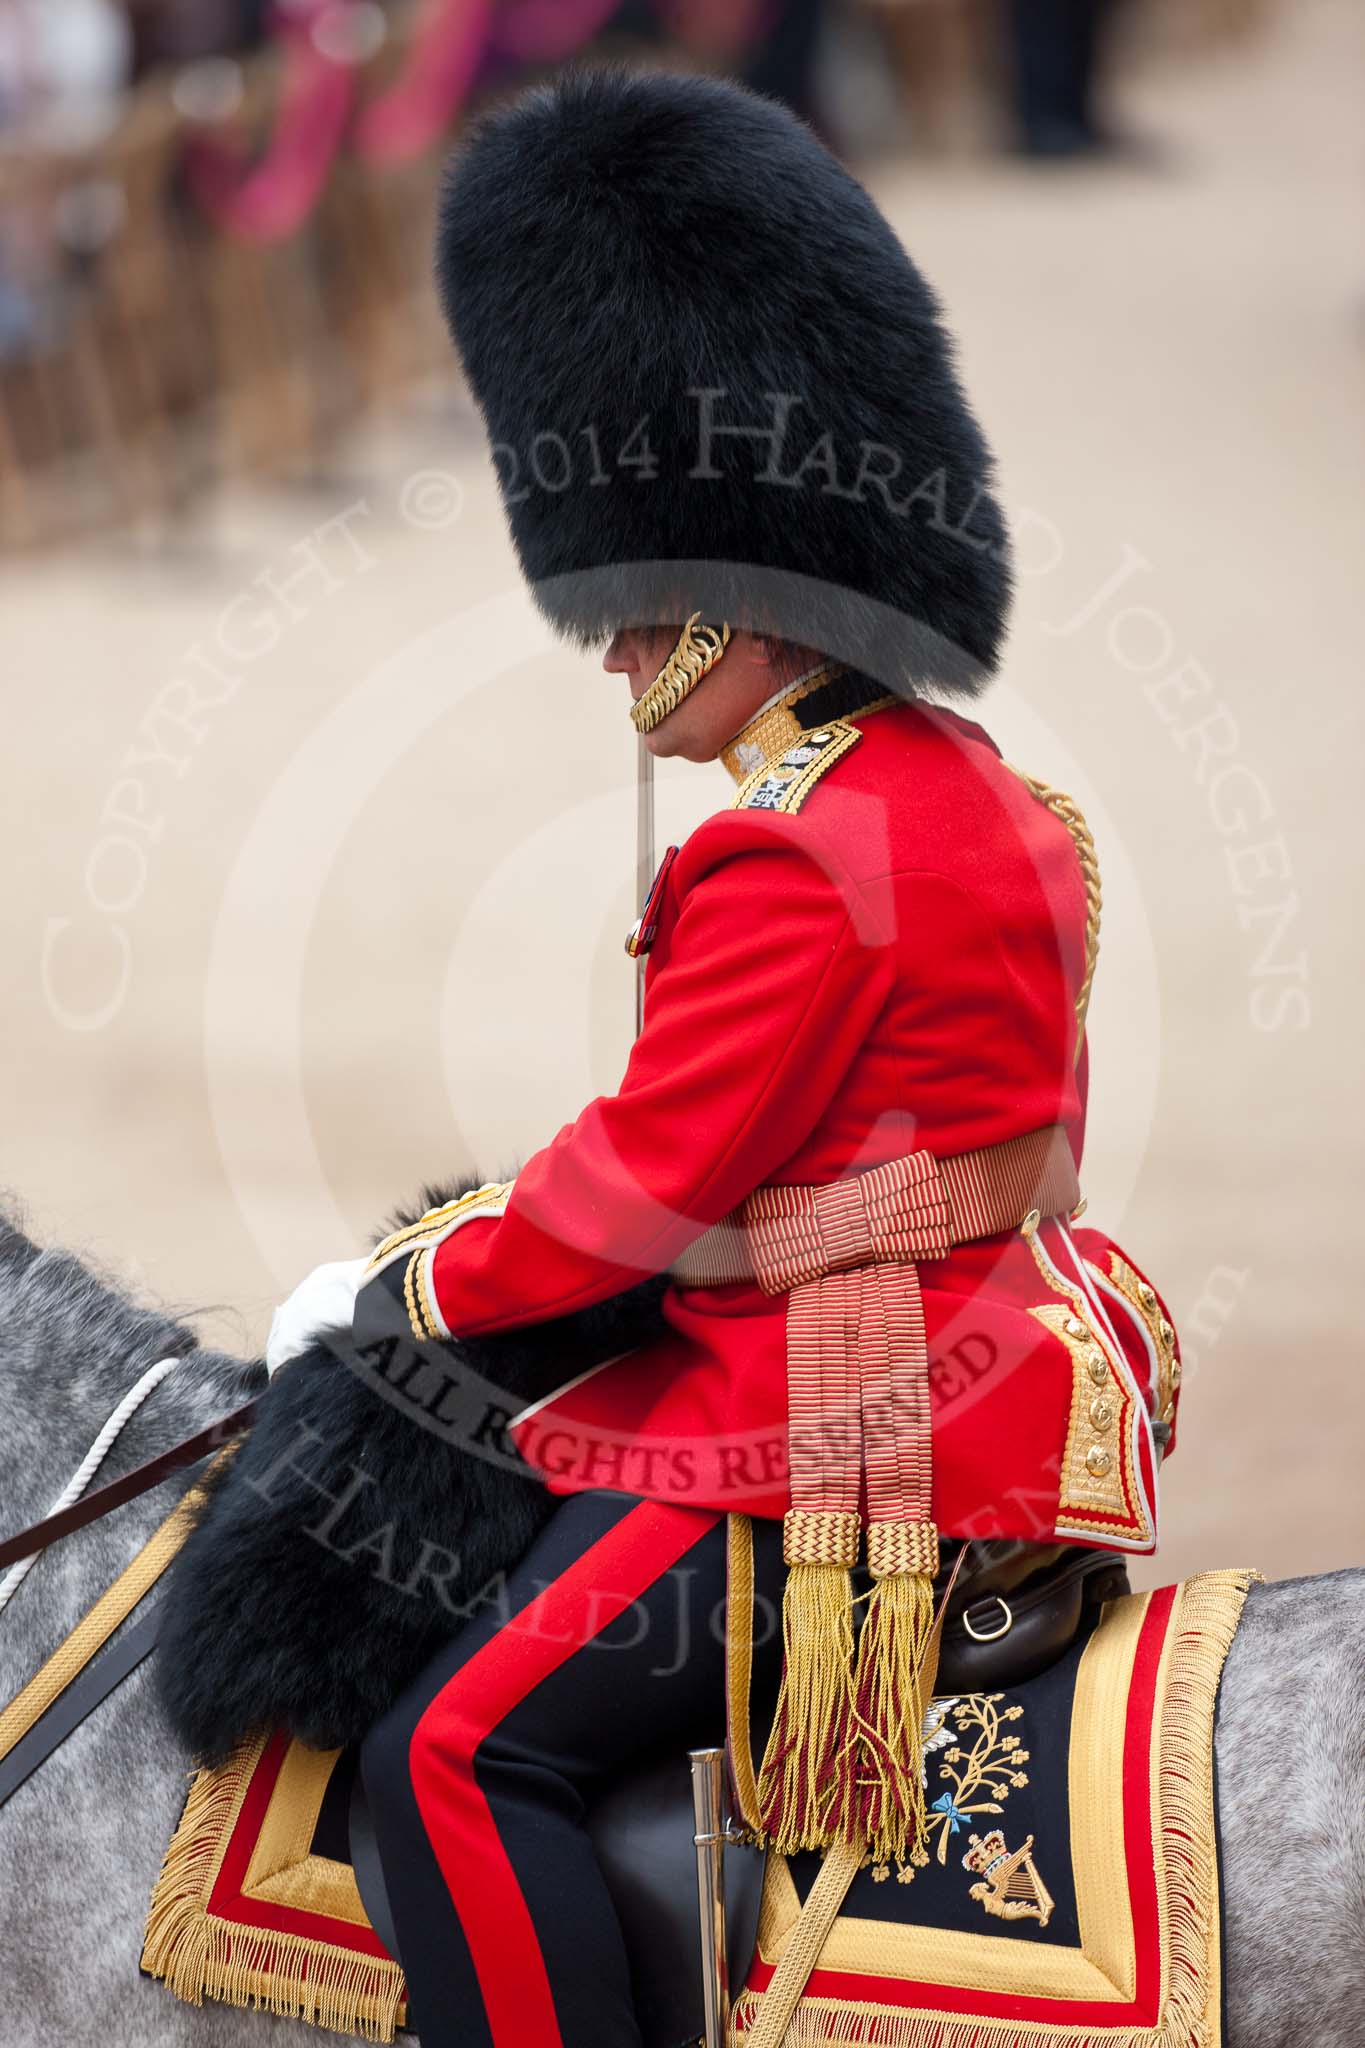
(64, 69)
(64, 65)
(1056, 49)
(214, 213)
(177, 31)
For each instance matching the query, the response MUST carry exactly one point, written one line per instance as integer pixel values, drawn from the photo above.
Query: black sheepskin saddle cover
(369, 1514)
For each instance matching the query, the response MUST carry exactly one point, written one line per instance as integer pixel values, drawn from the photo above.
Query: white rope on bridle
(89, 1465)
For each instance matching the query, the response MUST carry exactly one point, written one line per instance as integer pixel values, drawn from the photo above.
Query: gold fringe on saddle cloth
(1199, 1635)
(201, 1954)
(843, 1763)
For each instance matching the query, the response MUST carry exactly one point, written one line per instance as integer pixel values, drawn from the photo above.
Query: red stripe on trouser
(456, 1816)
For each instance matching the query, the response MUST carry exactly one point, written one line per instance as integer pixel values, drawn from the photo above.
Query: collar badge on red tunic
(645, 929)
(784, 784)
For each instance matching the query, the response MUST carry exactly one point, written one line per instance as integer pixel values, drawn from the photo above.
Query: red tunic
(893, 967)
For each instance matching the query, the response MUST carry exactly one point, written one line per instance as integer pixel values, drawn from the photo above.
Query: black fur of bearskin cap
(617, 246)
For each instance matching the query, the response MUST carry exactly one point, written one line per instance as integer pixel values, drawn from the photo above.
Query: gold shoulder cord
(698, 650)
(1069, 811)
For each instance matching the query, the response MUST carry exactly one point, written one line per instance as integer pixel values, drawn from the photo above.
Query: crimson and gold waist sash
(843, 1760)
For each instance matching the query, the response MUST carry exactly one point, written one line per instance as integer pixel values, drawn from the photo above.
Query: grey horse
(81, 1842)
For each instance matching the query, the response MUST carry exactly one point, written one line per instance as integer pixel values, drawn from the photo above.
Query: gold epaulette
(784, 784)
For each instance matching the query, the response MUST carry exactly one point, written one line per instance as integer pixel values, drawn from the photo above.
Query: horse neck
(71, 1347)
(135, 1405)
(67, 1579)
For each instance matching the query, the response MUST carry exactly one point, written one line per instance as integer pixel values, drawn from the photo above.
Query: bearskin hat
(713, 379)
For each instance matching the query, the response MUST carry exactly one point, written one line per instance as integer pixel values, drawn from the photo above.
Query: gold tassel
(897, 1664)
(805, 1778)
(891, 1705)
(805, 1782)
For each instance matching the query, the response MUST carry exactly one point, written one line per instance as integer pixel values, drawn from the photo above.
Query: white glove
(324, 1301)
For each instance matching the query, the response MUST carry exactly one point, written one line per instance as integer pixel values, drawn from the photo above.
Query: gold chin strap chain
(698, 650)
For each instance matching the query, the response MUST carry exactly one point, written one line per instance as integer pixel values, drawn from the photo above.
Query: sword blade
(644, 856)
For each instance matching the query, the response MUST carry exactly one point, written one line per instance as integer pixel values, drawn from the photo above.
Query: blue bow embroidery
(944, 1804)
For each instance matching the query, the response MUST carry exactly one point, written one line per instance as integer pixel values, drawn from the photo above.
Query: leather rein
(69, 1685)
(93, 1506)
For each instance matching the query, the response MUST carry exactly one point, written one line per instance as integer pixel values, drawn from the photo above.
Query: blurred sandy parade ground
(318, 853)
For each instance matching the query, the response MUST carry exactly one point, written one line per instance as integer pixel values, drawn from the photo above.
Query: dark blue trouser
(605, 1647)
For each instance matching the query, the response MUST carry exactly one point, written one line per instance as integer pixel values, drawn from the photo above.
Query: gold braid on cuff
(698, 650)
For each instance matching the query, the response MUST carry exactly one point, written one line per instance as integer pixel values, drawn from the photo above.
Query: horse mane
(73, 1340)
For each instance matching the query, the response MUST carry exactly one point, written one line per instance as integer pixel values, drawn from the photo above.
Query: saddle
(283, 1834)
(1015, 1608)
